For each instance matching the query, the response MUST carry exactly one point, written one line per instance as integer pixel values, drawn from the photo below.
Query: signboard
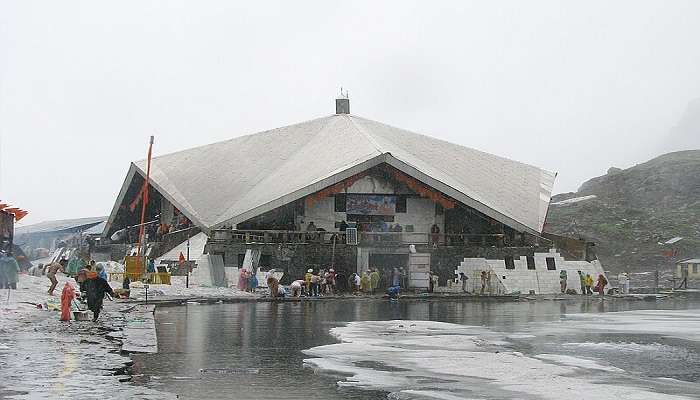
(134, 265)
(363, 204)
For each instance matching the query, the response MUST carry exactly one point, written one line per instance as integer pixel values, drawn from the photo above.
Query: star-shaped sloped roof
(228, 182)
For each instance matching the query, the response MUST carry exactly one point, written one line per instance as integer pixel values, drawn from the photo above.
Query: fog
(570, 87)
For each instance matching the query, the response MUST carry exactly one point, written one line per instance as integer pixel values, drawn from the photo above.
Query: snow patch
(424, 359)
(573, 200)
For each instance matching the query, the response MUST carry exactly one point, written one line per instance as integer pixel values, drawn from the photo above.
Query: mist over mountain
(686, 134)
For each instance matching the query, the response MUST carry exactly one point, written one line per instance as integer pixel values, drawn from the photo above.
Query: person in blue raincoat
(9, 269)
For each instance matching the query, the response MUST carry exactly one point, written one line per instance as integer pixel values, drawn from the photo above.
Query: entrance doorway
(386, 263)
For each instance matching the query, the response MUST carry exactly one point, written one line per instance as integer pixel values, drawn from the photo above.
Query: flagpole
(142, 230)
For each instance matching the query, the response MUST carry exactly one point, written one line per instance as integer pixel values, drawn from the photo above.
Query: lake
(425, 349)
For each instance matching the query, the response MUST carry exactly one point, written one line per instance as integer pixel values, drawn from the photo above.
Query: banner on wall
(370, 204)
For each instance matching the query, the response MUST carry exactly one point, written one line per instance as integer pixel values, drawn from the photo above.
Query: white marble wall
(540, 280)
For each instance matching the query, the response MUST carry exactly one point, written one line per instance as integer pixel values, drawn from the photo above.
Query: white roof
(228, 182)
(673, 240)
(59, 225)
(690, 261)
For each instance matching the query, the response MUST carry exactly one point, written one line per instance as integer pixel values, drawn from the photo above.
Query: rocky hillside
(634, 211)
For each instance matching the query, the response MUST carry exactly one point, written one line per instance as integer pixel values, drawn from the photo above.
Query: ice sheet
(424, 359)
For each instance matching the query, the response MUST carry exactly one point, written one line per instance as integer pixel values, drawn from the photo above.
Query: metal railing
(365, 238)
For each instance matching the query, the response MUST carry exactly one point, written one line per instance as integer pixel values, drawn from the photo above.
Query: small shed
(691, 267)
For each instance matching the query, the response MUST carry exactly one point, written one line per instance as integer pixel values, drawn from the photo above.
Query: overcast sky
(572, 87)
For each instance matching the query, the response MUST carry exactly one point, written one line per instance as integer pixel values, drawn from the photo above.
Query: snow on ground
(681, 324)
(32, 290)
(178, 289)
(573, 200)
(424, 359)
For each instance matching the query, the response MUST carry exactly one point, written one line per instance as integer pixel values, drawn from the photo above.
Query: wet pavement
(43, 358)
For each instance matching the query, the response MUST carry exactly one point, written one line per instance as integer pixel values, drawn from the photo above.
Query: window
(530, 262)
(695, 268)
(510, 262)
(551, 265)
(340, 201)
(400, 204)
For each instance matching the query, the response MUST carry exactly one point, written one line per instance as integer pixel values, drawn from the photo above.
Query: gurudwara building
(348, 193)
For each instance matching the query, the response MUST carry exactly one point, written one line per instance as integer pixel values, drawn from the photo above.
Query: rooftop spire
(342, 103)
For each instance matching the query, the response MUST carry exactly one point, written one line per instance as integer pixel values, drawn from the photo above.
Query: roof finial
(342, 103)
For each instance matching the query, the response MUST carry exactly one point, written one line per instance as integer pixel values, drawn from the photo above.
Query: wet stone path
(43, 358)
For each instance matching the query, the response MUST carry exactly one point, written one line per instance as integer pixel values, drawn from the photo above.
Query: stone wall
(539, 280)
(444, 260)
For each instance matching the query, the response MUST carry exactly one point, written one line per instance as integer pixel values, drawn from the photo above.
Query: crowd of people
(247, 281)
(328, 282)
(92, 284)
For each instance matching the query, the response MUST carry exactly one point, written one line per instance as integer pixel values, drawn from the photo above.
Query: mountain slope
(635, 209)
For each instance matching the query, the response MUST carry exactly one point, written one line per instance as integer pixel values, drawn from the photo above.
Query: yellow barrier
(156, 278)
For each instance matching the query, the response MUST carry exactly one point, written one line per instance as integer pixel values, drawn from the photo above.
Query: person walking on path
(374, 280)
(3, 277)
(81, 277)
(242, 279)
(51, 272)
(357, 281)
(684, 277)
(483, 282)
(253, 282)
(463, 278)
(563, 277)
(315, 285)
(582, 280)
(396, 277)
(100, 269)
(589, 284)
(600, 286)
(624, 281)
(329, 276)
(151, 266)
(9, 270)
(341, 282)
(67, 296)
(307, 280)
(365, 283)
(96, 289)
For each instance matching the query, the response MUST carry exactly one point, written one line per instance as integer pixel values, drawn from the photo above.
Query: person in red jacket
(67, 296)
(600, 285)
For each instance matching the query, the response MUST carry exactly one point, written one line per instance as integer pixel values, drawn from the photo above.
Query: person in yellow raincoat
(374, 280)
(307, 280)
(589, 284)
(365, 283)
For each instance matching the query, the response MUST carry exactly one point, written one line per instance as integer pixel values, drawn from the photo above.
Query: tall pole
(187, 265)
(144, 203)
